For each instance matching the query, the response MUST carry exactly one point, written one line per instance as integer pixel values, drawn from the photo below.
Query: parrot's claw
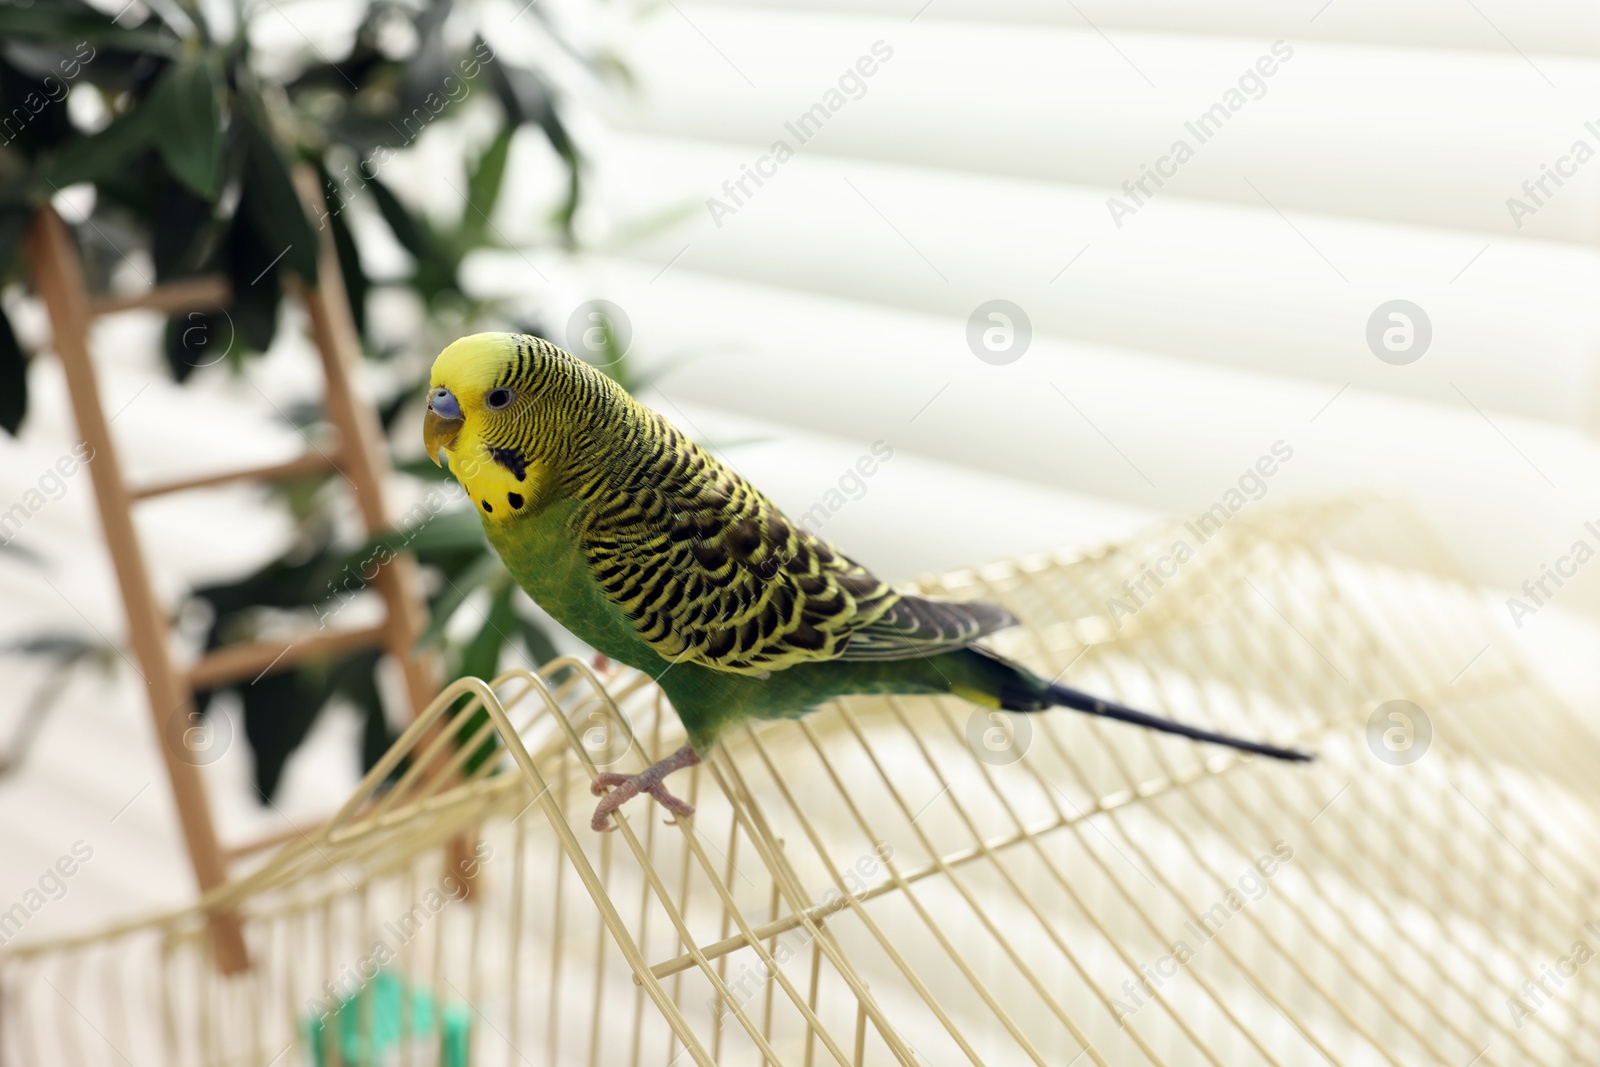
(608, 780)
(601, 823)
(624, 787)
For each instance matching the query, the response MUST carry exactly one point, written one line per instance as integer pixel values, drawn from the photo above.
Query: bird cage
(911, 881)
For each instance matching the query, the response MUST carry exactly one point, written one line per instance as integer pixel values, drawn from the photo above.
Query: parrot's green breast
(542, 554)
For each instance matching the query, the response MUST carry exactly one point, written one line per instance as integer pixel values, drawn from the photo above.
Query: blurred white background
(795, 323)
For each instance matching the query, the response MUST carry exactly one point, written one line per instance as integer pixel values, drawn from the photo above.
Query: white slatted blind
(1227, 312)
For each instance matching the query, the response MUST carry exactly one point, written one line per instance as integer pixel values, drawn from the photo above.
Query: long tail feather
(1080, 701)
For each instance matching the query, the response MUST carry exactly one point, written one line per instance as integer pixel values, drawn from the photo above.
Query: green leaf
(483, 571)
(356, 283)
(429, 66)
(40, 21)
(609, 65)
(279, 711)
(98, 156)
(482, 660)
(483, 186)
(424, 469)
(187, 117)
(389, 410)
(34, 116)
(356, 679)
(62, 646)
(482, 656)
(14, 221)
(13, 378)
(253, 269)
(435, 271)
(270, 203)
(447, 531)
(526, 98)
(196, 339)
(407, 229)
(182, 232)
(523, 94)
(540, 648)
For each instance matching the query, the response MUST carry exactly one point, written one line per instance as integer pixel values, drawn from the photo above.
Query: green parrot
(655, 554)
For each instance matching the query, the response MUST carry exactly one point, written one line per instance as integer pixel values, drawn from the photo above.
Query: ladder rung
(310, 463)
(253, 659)
(205, 293)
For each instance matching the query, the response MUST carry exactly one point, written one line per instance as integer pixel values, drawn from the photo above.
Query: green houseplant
(189, 154)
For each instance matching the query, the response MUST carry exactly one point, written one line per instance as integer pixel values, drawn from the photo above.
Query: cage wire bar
(910, 881)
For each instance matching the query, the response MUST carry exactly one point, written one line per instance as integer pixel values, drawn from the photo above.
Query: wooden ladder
(359, 455)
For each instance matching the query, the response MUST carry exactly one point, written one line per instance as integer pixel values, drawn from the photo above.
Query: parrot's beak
(439, 432)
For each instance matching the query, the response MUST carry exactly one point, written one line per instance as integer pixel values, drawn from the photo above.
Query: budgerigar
(656, 554)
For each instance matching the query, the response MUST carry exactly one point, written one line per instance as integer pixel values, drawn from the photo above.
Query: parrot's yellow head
(503, 409)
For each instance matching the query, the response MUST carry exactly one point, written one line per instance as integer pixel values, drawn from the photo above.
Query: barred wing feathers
(916, 626)
(709, 571)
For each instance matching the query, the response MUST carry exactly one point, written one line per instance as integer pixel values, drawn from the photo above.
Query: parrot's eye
(499, 399)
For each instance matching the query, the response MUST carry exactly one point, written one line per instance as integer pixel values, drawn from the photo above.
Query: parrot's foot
(624, 787)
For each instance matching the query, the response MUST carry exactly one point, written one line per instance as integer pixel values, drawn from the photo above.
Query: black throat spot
(511, 460)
